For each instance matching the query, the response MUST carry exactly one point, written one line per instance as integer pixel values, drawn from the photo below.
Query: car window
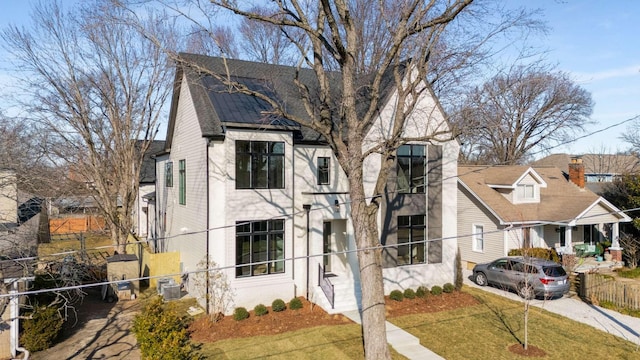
(554, 271)
(522, 267)
(501, 264)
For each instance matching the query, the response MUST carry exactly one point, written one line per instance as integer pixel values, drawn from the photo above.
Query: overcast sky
(595, 41)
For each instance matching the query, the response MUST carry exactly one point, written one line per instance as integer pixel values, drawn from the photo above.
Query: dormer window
(526, 192)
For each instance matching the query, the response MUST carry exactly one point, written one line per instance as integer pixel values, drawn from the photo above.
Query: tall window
(411, 169)
(168, 174)
(259, 165)
(259, 247)
(323, 171)
(411, 239)
(182, 182)
(478, 238)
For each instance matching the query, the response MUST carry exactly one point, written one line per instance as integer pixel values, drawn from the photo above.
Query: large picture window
(411, 239)
(259, 247)
(182, 182)
(323, 171)
(259, 165)
(411, 169)
(168, 174)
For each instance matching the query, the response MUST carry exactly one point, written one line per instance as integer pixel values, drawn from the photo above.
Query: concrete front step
(347, 295)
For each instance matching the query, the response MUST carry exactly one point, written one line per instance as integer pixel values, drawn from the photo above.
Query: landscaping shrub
(422, 291)
(240, 313)
(295, 304)
(436, 290)
(260, 310)
(542, 253)
(396, 295)
(278, 305)
(162, 333)
(459, 275)
(409, 294)
(448, 288)
(40, 331)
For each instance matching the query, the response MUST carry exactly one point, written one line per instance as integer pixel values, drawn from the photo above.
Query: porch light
(336, 205)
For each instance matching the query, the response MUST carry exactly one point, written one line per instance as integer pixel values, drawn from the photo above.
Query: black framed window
(411, 240)
(182, 181)
(168, 174)
(411, 169)
(259, 164)
(323, 170)
(259, 247)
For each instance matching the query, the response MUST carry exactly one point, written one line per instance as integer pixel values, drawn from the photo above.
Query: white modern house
(267, 202)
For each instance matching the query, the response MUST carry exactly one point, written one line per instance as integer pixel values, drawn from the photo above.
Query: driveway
(103, 332)
(623, 326)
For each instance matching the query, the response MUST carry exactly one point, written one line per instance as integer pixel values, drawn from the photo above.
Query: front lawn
(485, 331)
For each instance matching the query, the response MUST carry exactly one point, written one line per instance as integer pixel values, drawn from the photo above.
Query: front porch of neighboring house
(564, 238)
(334, 282)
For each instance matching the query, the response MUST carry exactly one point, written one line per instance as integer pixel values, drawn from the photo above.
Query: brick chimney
(576, 171)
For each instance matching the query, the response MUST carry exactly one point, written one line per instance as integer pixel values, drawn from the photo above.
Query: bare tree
(93, 86)
(350, 52)
(528, 108)
(632, 135)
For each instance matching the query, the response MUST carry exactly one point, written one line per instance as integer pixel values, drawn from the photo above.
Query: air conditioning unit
(163, 282)
(171, 292)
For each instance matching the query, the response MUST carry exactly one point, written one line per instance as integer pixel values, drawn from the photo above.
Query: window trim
(254, 156)
(168, 174)
(411, 227)
(475, 237)
(323, 170)
(274, 229)
(182, 182)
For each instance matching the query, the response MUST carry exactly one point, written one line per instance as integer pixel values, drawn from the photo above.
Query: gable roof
(560, 202)
(614, 164)
(148, 168)
(218, 107)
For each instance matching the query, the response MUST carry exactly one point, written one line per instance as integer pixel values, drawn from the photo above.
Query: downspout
(208, 261)
(307, 208)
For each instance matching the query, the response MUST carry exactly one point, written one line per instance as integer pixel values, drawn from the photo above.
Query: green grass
(630, 274)
(485, 331)
(611, 306)
(322, 342)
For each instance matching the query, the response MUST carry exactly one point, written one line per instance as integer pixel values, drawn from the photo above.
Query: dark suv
(529, 277)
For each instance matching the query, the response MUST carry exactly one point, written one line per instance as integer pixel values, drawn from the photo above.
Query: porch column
(615, 250)
(568, 242)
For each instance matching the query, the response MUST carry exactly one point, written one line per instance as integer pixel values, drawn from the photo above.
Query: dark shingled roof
(218, 106)
(148, 169)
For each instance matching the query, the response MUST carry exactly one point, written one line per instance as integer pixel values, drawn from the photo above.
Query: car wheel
(526, 291)
(481, 279)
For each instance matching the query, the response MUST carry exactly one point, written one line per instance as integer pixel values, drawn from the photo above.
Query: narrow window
(259, 247)
(411, 169)
(182, 182)
(323, 171)
(168, 174)
(478, 238)
(411, 240)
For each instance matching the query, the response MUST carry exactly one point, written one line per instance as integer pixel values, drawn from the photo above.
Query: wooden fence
(606, 288)
(76, 224)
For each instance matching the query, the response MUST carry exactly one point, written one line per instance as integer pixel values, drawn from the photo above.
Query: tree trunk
(370, 264)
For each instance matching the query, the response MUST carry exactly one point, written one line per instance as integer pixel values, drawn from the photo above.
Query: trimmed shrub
(448, 288)
(422, 291)
(295, 304)
(240, 313)
(459, 276)
(260, 310)
(40, 331)
(409, 294)
(542, 253)
(162, 333)
(278, 305)
(436, 290)
(396, 295)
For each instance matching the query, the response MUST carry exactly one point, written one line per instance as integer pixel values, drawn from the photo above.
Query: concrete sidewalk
(612, 322)
(401, 341)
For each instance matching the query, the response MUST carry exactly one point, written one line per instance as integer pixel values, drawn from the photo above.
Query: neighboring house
(265, 198)
(506, 207)
(599, 169)
(145, 200)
